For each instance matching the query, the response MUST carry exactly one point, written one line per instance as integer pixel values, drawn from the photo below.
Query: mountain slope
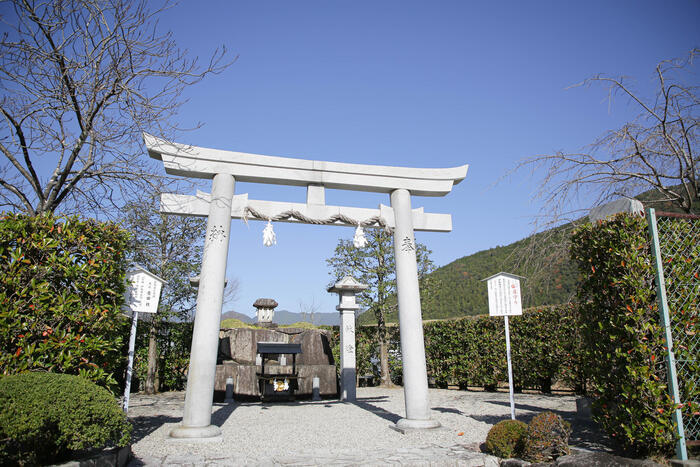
(462, 292)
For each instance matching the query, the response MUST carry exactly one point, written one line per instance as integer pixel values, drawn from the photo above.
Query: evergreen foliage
(623, 340)
(174, 341)
(505, 439)
(374, 265)
(45, 418)
(456, 289)
(460, 291)
(61, 292)
(551, 276)
(470, 351)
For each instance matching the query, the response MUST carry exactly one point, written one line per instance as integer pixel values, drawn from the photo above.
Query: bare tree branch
(79, 83)
(657, 151)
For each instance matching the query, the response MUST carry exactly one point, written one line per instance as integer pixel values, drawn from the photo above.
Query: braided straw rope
(292, 214)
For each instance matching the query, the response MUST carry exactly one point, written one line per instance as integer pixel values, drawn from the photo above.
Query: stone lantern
(266, 310)
(347, 288)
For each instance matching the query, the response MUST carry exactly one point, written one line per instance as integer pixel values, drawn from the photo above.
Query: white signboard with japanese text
(504, 295)
(143, 291)
(142, 296)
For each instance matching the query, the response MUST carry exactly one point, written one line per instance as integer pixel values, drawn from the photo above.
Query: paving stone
(185, 460)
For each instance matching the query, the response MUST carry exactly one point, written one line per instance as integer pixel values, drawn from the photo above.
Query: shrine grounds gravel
(331, 432)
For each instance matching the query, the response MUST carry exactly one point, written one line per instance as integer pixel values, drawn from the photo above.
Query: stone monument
(238, 360)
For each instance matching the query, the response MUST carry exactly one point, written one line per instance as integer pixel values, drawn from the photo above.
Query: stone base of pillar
(193, 432)
(406, 425)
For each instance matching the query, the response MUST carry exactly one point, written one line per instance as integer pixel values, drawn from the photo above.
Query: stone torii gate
(227, 167)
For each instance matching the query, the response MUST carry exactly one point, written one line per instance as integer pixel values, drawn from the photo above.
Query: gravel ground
(254, 432)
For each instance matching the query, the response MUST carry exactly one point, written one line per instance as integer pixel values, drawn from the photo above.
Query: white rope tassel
(359, 240)
(269, 237)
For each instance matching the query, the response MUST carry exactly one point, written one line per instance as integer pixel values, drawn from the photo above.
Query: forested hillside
(460, 291)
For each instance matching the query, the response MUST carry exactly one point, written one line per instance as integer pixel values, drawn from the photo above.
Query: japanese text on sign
(504, 296)
(143, 292)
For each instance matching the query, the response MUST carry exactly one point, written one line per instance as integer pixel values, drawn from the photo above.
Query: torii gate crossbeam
(224, 168)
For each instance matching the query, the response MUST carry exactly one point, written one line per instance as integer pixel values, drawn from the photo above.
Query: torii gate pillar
(196, 420)
(415, 375)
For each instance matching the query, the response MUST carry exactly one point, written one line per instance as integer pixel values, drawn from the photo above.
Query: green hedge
(472, 351)
(61, 289)
(47, 418)
(624, 345)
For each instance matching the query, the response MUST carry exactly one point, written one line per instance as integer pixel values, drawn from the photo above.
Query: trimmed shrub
(622, 336)
(505, 439)
(61, 291)
(472, 351)
(544, 346)
(547, 438)
(367, 351)
(46, 418)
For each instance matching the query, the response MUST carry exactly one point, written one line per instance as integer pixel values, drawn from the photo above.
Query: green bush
(472, 351)
(547, 438)
(367, 351)
(505, 439)
(622, 337)
(61, 290)
(47, 418)
(544, 347)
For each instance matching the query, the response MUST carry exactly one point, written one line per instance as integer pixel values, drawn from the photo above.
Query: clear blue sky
(422, 84)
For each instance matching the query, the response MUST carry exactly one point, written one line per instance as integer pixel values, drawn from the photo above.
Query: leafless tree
(309, 309)
(231, 290)
(170, 247)
(656, 151)
(80, 81)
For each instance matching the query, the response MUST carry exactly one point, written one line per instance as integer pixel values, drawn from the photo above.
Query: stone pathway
(331, 432)
(428, 456)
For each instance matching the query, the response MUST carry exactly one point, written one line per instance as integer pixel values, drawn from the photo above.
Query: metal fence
(676, 247)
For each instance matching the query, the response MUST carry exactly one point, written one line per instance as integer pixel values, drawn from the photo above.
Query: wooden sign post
(505, 300)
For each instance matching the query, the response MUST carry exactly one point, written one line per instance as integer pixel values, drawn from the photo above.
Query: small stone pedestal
(346, 288)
